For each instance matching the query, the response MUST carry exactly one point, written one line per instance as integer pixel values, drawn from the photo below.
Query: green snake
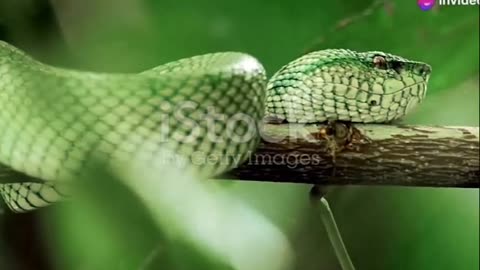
(54, 120)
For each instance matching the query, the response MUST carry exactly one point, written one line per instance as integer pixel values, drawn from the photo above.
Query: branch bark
(445, 156)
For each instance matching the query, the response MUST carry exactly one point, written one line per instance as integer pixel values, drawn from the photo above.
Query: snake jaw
(337, 84)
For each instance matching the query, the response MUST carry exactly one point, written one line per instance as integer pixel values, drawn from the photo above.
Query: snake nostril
(424, 70)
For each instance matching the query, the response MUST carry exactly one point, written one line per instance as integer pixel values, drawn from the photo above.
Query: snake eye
(380, 62)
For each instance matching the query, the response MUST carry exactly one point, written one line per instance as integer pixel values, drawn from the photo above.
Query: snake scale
(53, 120)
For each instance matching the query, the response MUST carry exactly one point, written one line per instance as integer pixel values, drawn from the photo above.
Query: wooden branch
(341, 154)
(366, 155)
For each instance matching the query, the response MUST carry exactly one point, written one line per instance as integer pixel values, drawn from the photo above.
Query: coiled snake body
(53, 120)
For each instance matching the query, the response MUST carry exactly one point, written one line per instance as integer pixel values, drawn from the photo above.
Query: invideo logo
(426, 4)
(429, 4)
(458, 2)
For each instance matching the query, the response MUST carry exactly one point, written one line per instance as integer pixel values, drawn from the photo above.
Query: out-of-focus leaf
(115, 226)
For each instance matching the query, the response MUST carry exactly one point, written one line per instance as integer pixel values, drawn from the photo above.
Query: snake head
(338, 84)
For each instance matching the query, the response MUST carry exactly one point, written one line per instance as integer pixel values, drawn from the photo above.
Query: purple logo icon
(426, 4)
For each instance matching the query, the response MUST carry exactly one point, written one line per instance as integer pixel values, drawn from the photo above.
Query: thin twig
(334, 235)
(345, 22)
(317, 195)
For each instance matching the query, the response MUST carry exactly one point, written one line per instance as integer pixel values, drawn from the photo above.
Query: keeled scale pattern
(53, 121)
(340, 84)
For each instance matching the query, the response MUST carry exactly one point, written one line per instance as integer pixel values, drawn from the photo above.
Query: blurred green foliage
(384, 228)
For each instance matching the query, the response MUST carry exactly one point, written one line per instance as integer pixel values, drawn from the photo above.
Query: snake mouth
(424, 83)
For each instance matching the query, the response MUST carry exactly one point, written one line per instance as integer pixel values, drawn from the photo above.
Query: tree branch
(365, 155)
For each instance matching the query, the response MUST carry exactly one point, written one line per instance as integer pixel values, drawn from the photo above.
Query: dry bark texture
(445, 156)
